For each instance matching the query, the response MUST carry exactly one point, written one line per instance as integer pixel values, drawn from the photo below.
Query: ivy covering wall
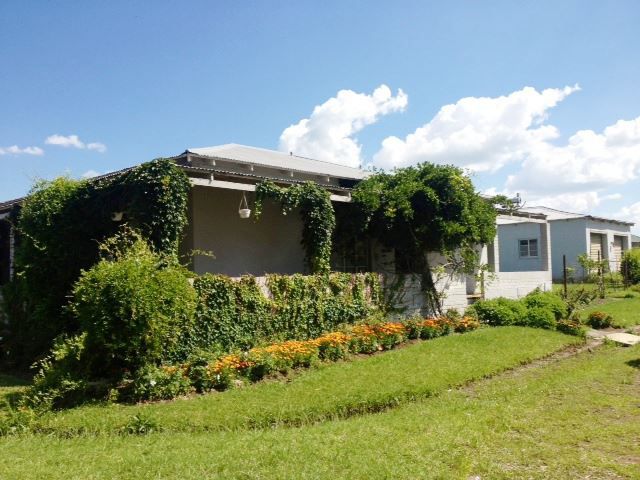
(239, 314)
(60, 226)
(316, 212)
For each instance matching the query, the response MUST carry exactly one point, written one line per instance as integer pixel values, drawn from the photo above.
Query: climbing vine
(237, 314)
(60, 226)
(422, 210)
(317, 215)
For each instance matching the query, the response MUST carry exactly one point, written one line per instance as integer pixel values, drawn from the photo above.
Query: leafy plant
(499, 311)
(237, 314)
(134, 305)
(630, 266)
(571, 327)
(600, 320)
(547, 301)
(159, 383)
(426, 208)
(316, 212)
(141, 424)
(59, 227)
(540, 317)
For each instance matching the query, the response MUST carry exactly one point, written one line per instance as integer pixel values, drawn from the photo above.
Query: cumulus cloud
(589, 161)
(73, 141)
(16, 150)
(328, 132)
(631, 213)
(479, 133)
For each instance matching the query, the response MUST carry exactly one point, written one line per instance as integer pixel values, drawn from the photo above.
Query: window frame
(528, 247)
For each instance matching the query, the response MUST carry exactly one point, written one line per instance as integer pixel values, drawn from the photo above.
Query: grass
(625, 311)
(10, 387)
(577, 418)
(366, 385)
(622, 304)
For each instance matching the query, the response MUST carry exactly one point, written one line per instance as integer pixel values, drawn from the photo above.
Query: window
(529, 248)
(351, 256)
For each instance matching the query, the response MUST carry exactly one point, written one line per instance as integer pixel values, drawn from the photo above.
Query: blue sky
(138, 80)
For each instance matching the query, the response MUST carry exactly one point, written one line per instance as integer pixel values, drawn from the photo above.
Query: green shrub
(571, 327)
(499, 311)
(631, 265)
(134, 306)
(577, 298)
(159, 383)
(61, 378)
(540, 317)
(141, 424)
(600, 320)
(548, 301)
(59, 227)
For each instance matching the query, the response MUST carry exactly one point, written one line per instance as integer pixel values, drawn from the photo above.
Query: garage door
(595, 248)
(617, 253)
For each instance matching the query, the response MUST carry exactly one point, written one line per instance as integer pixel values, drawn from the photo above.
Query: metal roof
(279, 160)
(554, 214)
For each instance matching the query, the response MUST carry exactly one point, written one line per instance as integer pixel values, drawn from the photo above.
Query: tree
(427, 208)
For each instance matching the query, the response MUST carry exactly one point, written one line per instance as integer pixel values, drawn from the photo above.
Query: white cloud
(479, 133)
(16, 150)
(90, 174)
(590, 161)
(631, 213)
(328, 133)
(74, 142)
(98, 147)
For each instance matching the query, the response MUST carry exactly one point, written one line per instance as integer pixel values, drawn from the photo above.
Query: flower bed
(279, 358)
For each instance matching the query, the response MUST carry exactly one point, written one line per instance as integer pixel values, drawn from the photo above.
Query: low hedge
(538, 309)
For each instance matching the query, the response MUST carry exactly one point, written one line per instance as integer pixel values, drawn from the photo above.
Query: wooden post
(600, 277)
(564, 274)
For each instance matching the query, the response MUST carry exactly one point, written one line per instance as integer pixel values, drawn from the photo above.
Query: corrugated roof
(274, 159)
(554, 214)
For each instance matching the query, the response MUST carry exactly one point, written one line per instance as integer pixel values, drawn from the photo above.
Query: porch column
(545, 250)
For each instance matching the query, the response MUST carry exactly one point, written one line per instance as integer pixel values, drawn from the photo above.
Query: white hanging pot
(243, 208)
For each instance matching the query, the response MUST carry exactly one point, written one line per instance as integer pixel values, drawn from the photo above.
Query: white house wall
(571, 237)
(568, 238)
(516, 284)
(509, 247)
(610, 230)
(242, 246)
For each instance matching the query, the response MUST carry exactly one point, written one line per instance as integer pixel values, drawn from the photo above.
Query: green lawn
(573, 419)
(625, 311)
(369, 384)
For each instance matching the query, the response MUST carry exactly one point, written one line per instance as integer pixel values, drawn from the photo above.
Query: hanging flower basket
(243, 208)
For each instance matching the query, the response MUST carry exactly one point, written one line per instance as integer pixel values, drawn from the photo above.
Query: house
(574, 234)
(635, 241)
(224, 180)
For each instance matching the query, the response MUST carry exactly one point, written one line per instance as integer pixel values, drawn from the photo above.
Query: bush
(548, 301)
(600, 320)
(60, 381)
(631, 265)
(158, 383)
(59, 226)
(499, 311)
(134, 306)
(571, 327)
(540, 317)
